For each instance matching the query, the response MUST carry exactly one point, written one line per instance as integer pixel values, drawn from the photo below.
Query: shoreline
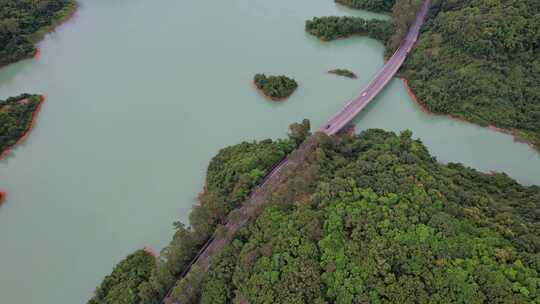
(28, 130)
(37, 54)
(70, 13)
(65, 14)
(39, 35)
(269, 98)
(425, 110)
(385, 13)
(344, 37)
(151, 251)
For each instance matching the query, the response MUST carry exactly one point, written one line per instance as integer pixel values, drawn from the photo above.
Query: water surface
(141, 94)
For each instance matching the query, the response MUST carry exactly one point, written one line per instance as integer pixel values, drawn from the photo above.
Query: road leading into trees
(241, 216)
(355, 106)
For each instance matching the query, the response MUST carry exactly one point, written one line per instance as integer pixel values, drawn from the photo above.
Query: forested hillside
(480, 60)
(16, 115)
(371, 218)
(383, 222)
(121, 285)
(23, 23)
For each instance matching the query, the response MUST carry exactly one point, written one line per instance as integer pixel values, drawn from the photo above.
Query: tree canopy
(16, 115)
(231, 175)
(370, 5)
(480, 60)
(275, 87)
(331, 28)
(371, 218)
(383, 222)
(23, 22)
(121, 286)
(390, 32)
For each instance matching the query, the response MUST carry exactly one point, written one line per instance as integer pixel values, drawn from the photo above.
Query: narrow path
(289, 165)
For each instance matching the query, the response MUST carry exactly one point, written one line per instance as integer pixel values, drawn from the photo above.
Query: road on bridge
(257, 198)
(355, 106)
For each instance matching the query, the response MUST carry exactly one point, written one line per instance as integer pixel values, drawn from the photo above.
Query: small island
(275, 87)
(17, 116)
(343, 72)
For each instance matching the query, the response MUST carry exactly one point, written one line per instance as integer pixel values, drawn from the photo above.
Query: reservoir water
(141, 94)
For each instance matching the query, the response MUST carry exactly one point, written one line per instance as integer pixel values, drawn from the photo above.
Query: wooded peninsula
(369, 217)
(23, 23)
(331, 28)
(480, 61)
(16, 119)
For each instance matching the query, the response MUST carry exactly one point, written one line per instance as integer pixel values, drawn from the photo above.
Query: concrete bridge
(355, 106)
(258, 196)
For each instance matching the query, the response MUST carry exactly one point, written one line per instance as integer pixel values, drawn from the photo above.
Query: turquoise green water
(141, 94)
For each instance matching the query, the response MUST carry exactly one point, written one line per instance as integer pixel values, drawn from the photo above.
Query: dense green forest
(275, 87)
(403, 16)
(122, 285)
(383, 222)
(16, 117)
(390, 32)
(480, 60)
(23, 23)
(231, 174)
(369, 218)
(343, 72)
(331, 28)
(370, 5)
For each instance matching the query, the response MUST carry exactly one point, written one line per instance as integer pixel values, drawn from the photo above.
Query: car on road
(364, 94)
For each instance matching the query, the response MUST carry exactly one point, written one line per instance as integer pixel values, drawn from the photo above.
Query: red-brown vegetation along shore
(491, 127)
(32, 30)
(38, 53)
(350, 130)
(28, 130)
(151, 251)
(3, 196)
(57, 24)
